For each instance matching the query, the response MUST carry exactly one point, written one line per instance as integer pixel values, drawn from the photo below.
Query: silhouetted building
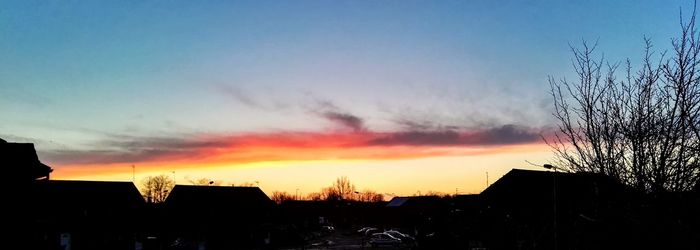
(218, 217)
(21, 170)
(86, 215)
(537, 209)
(20, 162)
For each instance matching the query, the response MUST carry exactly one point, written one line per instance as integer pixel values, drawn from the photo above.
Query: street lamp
(554, 200)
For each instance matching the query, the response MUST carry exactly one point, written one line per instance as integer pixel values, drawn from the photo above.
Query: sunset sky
(401, 97)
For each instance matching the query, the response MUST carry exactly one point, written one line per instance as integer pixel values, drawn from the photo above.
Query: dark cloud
(129, 149)
(329, 111)
(506, 134)
(503, 135)
(169, 143)
(422, 125)
(67, 156)
(418, 138)
(345, 119)
(413, 125)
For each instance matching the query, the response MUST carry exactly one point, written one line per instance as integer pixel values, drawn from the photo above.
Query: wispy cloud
(332, 113)
(239, 95)
(250, 99)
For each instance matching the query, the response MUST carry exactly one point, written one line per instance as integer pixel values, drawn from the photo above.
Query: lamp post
(554, 201)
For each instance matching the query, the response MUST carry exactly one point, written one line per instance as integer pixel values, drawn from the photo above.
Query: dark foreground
(522, 210)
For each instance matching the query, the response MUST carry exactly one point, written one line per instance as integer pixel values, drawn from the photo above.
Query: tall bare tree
(643, 129)
(343, 188)
(156, 188)
(330, 194)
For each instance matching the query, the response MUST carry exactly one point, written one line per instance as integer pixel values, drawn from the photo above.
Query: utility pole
(487, 179)
(554, 180)
(554, 202)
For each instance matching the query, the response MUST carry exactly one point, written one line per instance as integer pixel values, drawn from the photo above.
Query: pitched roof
(528, 186)
(415, 201)
(24, 160)
(64, 193)
(217, 197)
(71, 203)
(397, 201)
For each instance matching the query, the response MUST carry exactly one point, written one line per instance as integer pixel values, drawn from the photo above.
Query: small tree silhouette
(155, 188)
(280, 197)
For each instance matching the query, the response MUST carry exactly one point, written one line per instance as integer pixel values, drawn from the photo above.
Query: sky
(402, 97)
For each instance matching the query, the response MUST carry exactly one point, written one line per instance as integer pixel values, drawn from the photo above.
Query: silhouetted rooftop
(217, 197)
(414, 201)
(519, 180)
(97, 203)
(61, 193)
(23, 161)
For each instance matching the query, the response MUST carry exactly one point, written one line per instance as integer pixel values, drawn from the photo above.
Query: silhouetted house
(21, 169)
(21, 164)
(533, 209)
(86, 214)
(218, 217)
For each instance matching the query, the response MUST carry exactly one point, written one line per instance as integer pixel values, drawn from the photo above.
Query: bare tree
(436, 194)
(280, 197)
(369, 196)
(343, 188)
(155, 188)
(330, 194)
(314, 196)
(643, 129)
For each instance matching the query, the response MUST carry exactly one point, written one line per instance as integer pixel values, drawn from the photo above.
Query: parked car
(327, 230)
(371, 231)
(383, 239)
(405, 238)
(364, 229)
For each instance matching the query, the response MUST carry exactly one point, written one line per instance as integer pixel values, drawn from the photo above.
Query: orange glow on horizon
(260, 159)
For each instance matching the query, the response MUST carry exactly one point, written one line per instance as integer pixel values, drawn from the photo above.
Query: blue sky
(75, 72)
